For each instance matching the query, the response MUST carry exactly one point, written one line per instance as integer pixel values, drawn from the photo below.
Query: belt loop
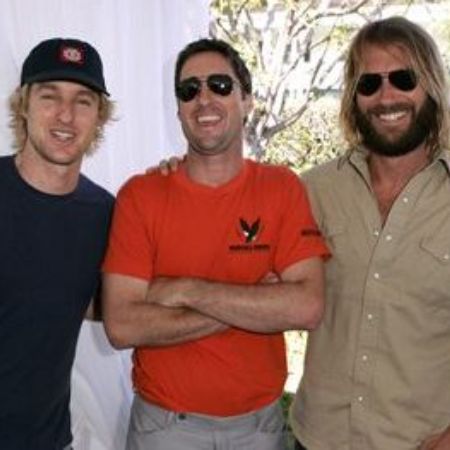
(171, 418)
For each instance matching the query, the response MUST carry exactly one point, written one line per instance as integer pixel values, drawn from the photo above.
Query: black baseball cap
(60, 59)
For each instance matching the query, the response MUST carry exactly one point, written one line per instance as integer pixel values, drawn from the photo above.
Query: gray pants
(154, 428)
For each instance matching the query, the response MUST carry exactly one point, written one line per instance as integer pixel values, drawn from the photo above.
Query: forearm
(144, 324)
(296, 302)
(132, 319)
(259, 308)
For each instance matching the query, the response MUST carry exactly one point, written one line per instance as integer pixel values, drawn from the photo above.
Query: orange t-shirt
(257, 223)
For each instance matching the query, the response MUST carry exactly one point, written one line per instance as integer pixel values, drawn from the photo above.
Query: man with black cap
(53, 229)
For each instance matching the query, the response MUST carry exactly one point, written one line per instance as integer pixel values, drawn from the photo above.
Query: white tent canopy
(138, 41)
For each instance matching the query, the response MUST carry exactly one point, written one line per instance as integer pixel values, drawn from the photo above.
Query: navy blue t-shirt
(51, 248)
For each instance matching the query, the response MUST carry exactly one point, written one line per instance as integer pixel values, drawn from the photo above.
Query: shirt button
(364, 358)
(389, 237)
(369, 316)
(446, 256)
(360, 399)
(376, 275)
(405, 199)
(376, 233)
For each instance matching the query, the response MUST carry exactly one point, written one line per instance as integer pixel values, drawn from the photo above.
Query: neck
(213, 170)
(397, 170)
(46, 176)
(390, 175)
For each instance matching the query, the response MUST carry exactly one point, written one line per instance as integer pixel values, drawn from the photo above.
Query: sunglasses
(218, 83)
(405, 80)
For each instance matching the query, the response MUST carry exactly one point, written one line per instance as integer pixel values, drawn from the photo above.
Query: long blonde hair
(425, 61)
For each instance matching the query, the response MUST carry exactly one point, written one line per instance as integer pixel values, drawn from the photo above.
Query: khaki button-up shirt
(377, 371)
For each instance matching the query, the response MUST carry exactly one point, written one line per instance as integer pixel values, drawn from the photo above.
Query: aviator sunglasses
(218, 83)
(405, 80)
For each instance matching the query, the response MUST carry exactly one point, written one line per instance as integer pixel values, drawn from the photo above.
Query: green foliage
(313, 139)
(230, 6)
(286, 401)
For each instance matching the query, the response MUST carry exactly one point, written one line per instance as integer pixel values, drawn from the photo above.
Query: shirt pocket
(345, 249)
(438, 247)
(434, 268)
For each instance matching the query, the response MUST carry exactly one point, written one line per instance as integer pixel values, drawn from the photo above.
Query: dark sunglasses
(218, 83)
(369, 83)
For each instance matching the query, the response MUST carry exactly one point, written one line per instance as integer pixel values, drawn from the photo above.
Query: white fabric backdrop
(138, 41)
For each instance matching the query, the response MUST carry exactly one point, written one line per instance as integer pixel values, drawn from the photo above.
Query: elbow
(118, 342)
(117, 335)
(313, 322)
(314, 315)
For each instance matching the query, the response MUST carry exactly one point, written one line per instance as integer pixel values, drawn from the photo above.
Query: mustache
(390, 109)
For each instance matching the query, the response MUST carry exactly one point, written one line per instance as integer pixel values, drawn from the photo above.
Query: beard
(422, 123)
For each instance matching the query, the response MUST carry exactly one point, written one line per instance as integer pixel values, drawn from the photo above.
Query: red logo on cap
(71, 54)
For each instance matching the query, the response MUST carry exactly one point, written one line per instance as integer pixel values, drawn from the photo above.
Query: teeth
(392, 116)
(63, 135)
(208, 119)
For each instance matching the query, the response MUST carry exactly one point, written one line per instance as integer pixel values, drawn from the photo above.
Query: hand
(166, 166)
(270, 278)
(440, 441)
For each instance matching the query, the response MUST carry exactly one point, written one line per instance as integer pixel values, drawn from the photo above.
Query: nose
(65, 112)
(204, 96)
(387, 91)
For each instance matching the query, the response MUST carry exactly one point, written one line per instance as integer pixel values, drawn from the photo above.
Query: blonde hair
(425, 61)
(18, 106)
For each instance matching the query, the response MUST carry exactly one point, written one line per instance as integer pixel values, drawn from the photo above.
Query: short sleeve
(129, 250)
(299, 236)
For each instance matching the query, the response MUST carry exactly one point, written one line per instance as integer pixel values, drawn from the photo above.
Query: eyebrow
(84, 90)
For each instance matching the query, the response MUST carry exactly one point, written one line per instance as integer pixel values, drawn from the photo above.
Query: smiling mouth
(392, 116)
(63, 136)
(210, 119)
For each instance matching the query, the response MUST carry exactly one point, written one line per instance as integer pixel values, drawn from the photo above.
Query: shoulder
(273, 174)
(278, 185)
(145, 184)
(146, 191)
(325, 173)
(90, 191)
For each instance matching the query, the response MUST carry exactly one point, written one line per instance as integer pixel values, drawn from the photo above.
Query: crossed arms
(170, 311)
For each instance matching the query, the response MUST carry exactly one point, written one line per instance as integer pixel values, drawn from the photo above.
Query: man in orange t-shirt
(187, 271)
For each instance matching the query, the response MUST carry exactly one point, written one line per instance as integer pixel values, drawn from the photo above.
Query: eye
(221, 84)
(47, 96)
(85, 101)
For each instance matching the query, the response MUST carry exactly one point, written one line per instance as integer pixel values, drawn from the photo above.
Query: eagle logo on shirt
(250, 231)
